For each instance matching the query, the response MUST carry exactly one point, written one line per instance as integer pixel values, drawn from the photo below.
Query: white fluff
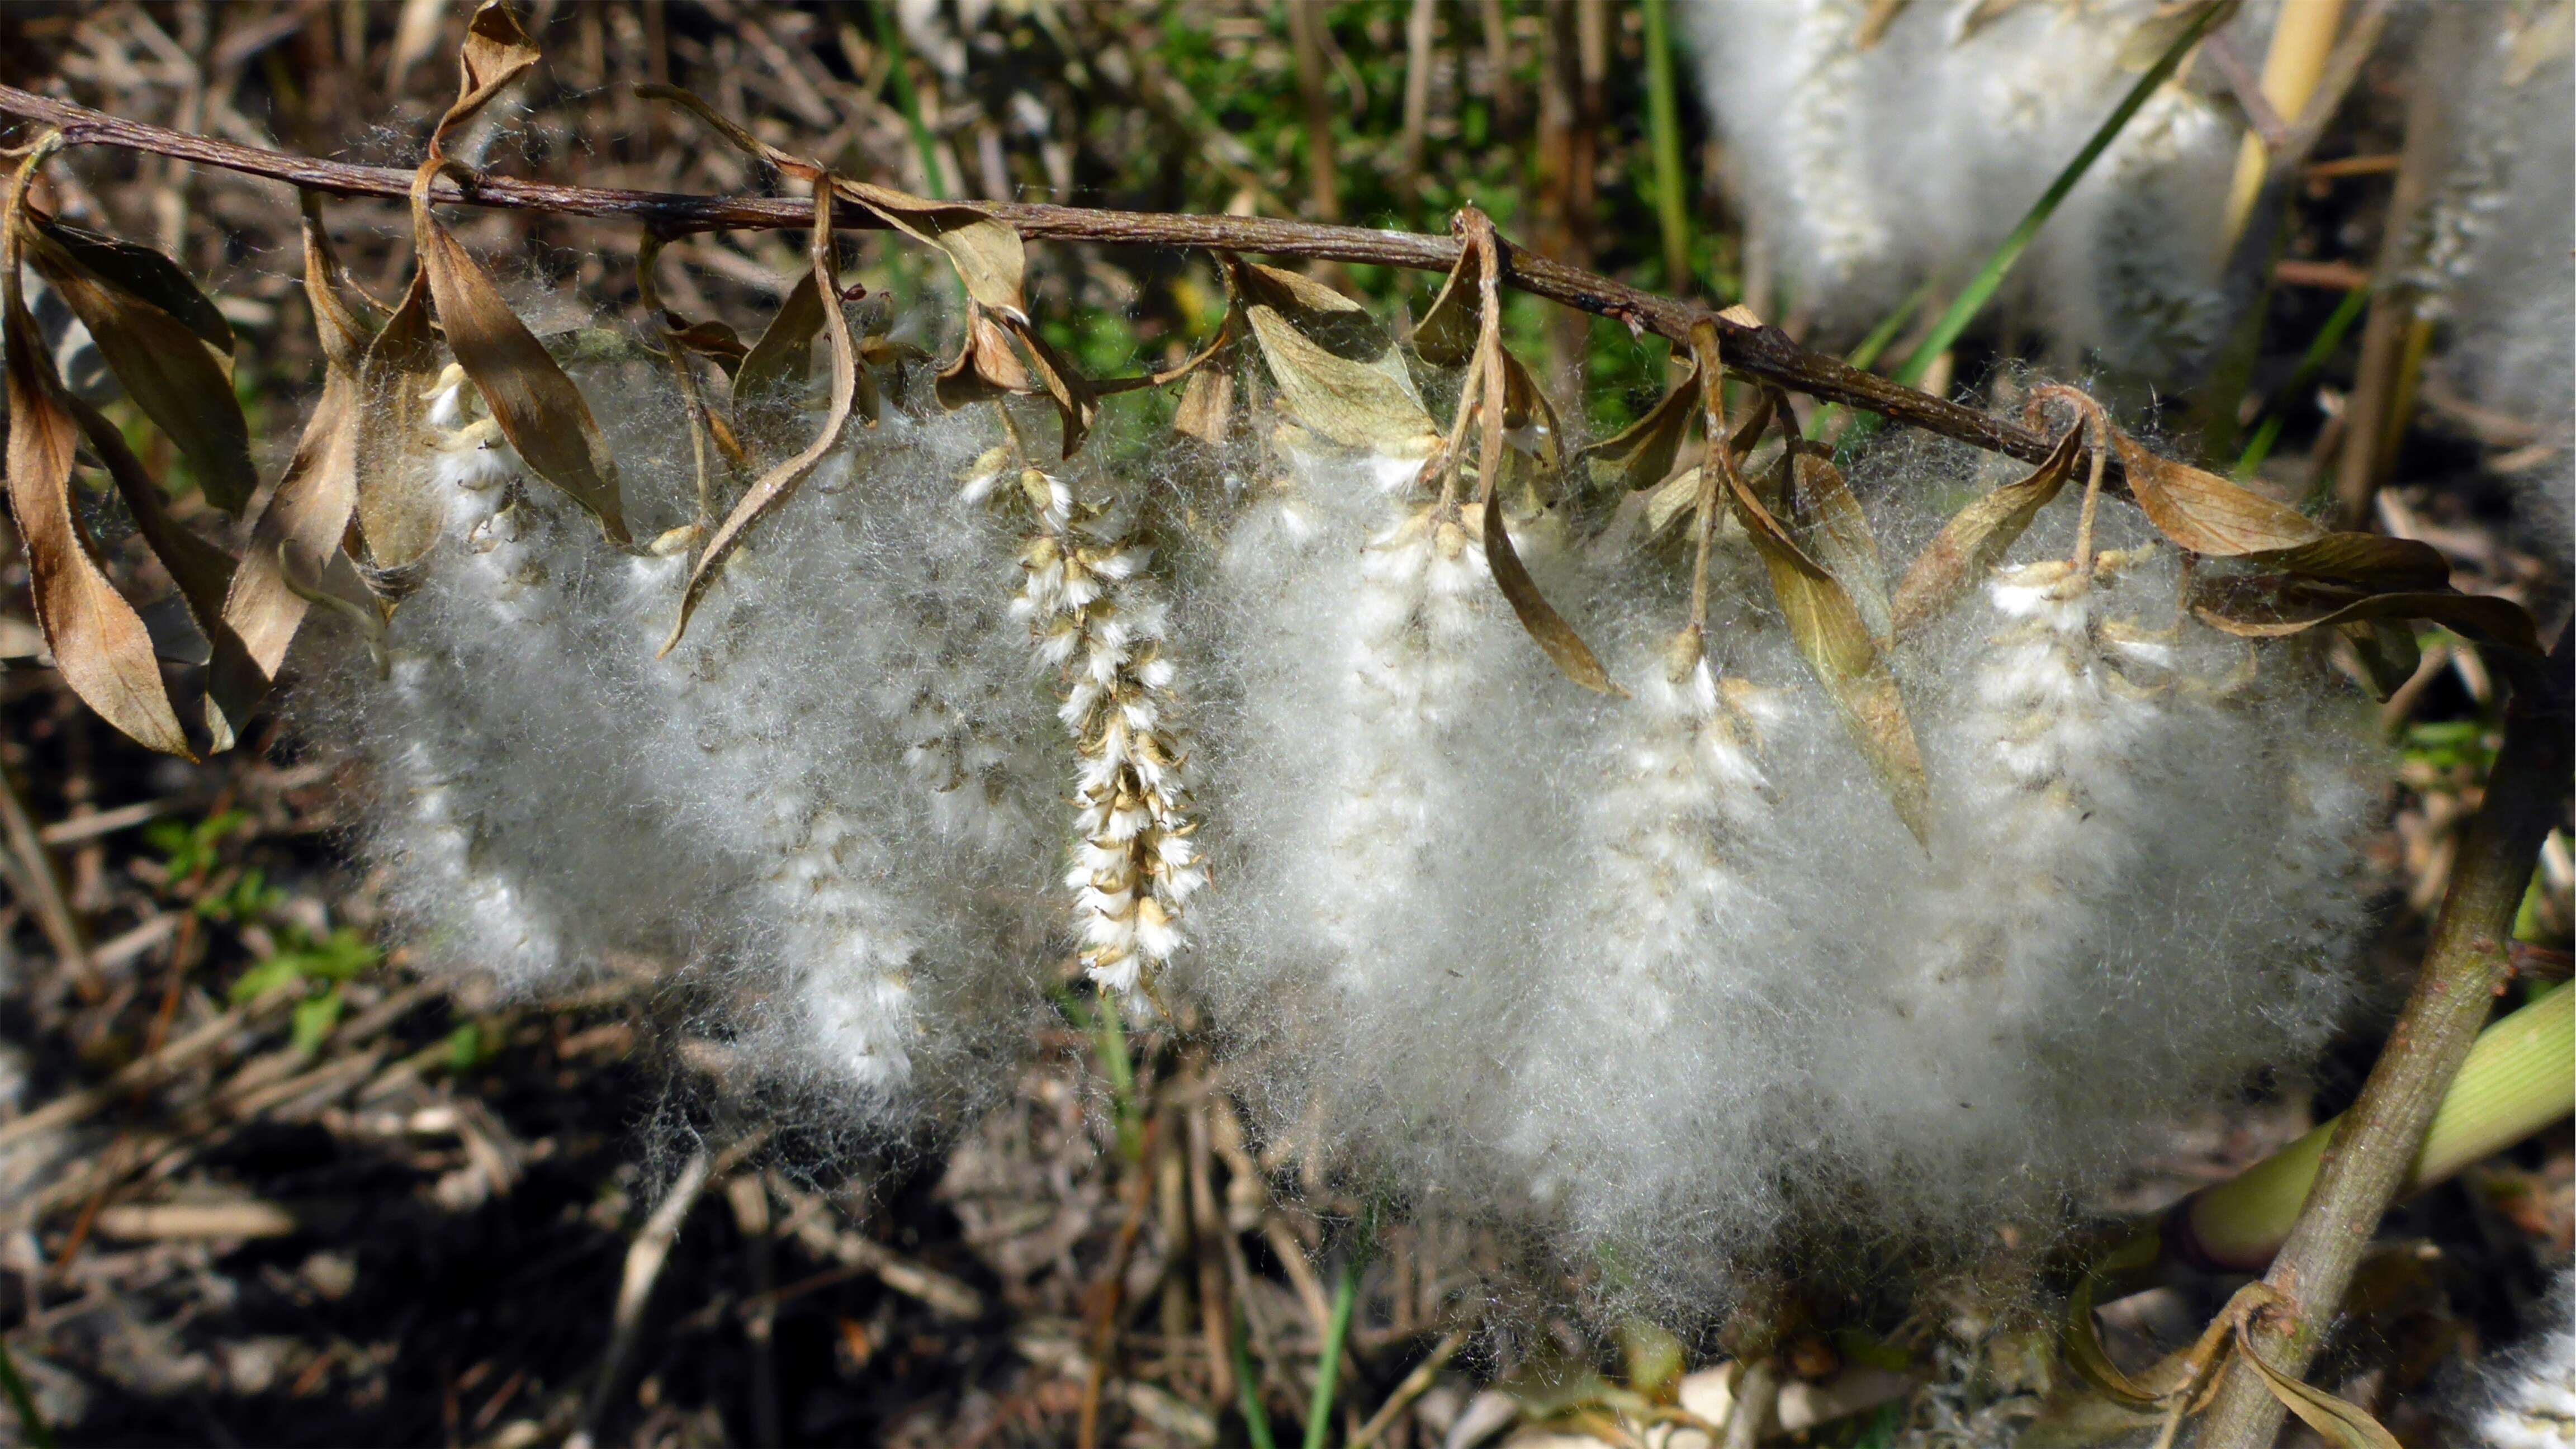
(2531, 1394)
(1866, 171)
(2498, 252)
(819, 802)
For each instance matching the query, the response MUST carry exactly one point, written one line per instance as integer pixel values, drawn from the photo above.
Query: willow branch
(1761, 351)
(2464, 966)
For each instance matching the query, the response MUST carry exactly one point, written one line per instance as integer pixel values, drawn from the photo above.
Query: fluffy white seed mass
(2530, 1395)
(1665, 975)
(2498, 248)
(829, 803)
(1867, 165)
(1660, 977)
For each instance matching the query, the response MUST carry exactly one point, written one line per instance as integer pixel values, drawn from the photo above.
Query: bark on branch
(1761, 351)
(2464, 966)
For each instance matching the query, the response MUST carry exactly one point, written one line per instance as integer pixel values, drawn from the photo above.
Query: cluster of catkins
(1660, 975)
(1872, 155)
(1665, 972)
(2495, 252)
(832, 800)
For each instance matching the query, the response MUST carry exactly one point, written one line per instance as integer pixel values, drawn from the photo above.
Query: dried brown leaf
(203, 572)
(1829, 627)
(1641, 454)
(307, 513)
(399, 512)
(1562, 645)
(2204, 513)
(141, 272)
(985, 250)
(1977, 536)
(2387, 653)
(986, 365)
(2271, 607)
(1829, 524)
(2338, 1422)
(496, 52)
(97, 640)
(1206, 409)
(1356, 404)
(780, 483)
(165, 365)
(778, 363)
(2371, 559)
(536, 405)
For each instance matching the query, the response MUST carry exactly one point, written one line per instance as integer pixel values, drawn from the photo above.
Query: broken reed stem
(1752, 349)
(2368, 1157)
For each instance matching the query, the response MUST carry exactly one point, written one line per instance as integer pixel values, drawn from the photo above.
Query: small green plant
(325, 967)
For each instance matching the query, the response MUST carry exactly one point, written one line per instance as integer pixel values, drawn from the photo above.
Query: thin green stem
(890, 40)
(1247, 1391)
(1663, 121)
(2320, 352)
(30, 1422)
(1982, 288)
(1118, 1060)
(1337, 1332)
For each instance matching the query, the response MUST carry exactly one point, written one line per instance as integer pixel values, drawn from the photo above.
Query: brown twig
(1111, 1291)
(1752, 348)
(2464, 967)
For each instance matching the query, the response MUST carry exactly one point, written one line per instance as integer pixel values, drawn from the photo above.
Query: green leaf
(314, 1018)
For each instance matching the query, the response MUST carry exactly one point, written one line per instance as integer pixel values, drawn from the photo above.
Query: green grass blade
(1663, 121)
(1981, 290)
(890, 40)
(1337, 1331)
(1880, 338)
(2320, 351)
(1247, 1394)
(30, 1422)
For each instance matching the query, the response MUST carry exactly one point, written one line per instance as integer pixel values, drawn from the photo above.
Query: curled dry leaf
(778, 484)
(986, 251)
(2272, 607)
(97, 640)
(1828, 523)
(1206, 410)
(2205, 514)
(307, 513)
(777, 365)
(1487, 389)
(143, 273)
(202, 571)
(1830, 628)
(536, 405)
(399, 513)
(1977, 536)
(1337, 372)
(1641, 455)
(165, 365)
(2339, 1422)
(1563, 646)
(986, 365)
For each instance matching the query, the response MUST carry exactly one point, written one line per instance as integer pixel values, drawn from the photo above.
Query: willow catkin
(1873, 155)
(1095, 618)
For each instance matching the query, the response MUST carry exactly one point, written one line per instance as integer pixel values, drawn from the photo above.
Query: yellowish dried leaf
(986, 251)
(306, 514)
(537, 407)
(1641, 454)
(97, 640)
(1977, 537)
(780, 483)
(399, 512)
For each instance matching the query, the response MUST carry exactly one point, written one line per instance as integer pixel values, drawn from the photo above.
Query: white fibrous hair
(1096, 620)
(2497, 252)
(1659, 976)
(821, 803)
(2530, 1395)
(1867, 167)
(1665, 975)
